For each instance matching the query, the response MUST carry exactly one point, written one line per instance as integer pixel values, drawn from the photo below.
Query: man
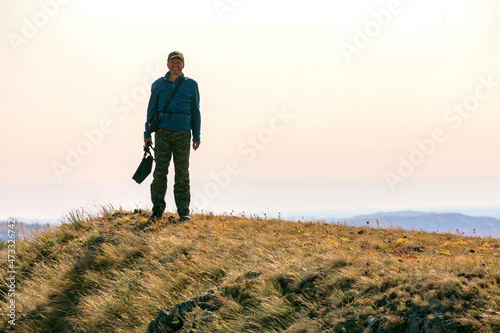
(173, 138)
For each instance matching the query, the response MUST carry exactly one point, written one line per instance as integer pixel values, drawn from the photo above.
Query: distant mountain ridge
(483, 226)
(21, 230)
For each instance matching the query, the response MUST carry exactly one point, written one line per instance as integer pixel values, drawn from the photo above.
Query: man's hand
(196, 144)
(148, 142)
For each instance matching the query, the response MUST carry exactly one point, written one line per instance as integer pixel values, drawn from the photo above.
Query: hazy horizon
(479, 211)
(306, 106)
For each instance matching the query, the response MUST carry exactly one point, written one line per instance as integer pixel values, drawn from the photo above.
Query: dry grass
(107, 274)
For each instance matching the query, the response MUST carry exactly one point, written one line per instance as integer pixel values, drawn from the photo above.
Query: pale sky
(306, 105)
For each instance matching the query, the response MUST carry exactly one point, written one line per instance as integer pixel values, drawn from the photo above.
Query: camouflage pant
(168, 144)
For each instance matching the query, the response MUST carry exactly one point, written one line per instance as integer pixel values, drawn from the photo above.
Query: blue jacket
(183, 112)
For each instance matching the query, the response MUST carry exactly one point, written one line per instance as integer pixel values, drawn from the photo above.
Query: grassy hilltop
(114, 274)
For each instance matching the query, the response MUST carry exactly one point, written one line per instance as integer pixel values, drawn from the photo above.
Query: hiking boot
(184, 218)
(155, 216)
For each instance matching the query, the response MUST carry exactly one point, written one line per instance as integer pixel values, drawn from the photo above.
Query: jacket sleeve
(196, 114)
(152, 108)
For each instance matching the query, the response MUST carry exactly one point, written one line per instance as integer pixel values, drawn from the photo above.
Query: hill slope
(115, 273)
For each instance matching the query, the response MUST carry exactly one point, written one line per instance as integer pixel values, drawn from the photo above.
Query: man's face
(175, 66)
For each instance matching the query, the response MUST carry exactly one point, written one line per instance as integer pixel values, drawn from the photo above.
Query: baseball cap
(175, 54)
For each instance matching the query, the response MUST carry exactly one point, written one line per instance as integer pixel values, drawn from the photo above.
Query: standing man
(173, 138)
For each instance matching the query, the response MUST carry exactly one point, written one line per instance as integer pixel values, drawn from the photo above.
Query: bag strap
(147, 152)
(172, 95)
